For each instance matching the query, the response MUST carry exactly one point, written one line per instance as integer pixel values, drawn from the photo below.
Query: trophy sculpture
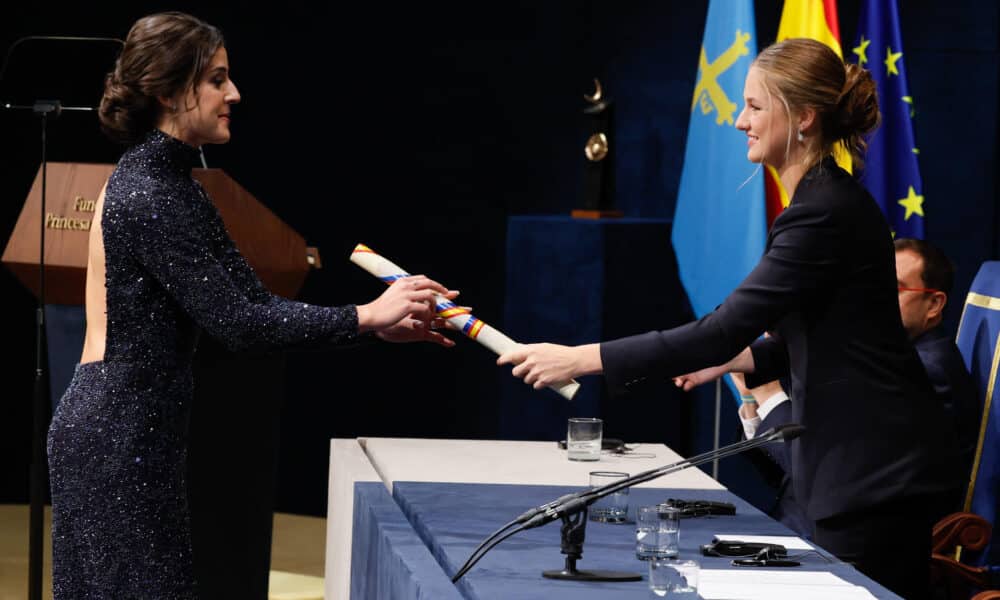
(599, 166)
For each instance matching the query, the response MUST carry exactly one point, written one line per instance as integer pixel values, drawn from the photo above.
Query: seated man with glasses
(925, 276)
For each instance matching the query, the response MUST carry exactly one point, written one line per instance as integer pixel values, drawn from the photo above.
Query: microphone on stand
(45, 110)
(572, 504)
(51, 108)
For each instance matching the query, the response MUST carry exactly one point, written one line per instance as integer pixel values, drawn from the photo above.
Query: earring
(800, 137)
(173, 108)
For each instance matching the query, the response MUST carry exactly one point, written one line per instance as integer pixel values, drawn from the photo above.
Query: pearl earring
(800, 137)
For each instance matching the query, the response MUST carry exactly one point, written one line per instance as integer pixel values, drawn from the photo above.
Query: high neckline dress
(118, 439)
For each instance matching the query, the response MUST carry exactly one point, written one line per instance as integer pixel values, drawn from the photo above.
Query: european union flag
(891, 173)
(720, 221)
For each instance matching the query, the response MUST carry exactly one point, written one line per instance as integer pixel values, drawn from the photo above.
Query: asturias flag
(719, 223)
(891, 173)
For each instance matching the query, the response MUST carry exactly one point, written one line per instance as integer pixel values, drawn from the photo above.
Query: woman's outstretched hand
(689, 381)
(542, 365)
(405, 311)
(741, 363)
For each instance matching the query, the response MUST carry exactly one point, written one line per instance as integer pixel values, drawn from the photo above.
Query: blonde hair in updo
(804, 73)
(164, 54)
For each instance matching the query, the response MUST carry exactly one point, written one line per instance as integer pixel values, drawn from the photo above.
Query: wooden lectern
(273, 249)
(232, 454)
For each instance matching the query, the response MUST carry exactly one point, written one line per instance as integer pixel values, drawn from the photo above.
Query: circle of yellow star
(861, 50)
(890, 61)
(913, 204)
(909, 100)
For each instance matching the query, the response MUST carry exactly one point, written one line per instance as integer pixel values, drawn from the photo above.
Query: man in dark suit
(925, 277)
(762, 408)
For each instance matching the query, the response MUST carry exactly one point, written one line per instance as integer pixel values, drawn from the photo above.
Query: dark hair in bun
(164, 54)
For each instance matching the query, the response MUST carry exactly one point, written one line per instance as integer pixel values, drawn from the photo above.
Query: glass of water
(583, 438)
(674, 578)
(612, 508)
(657, 532)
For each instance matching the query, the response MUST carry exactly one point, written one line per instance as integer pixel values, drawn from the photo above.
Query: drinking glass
(674, 578)
(583, 438)
(612, 508)
(657, 532)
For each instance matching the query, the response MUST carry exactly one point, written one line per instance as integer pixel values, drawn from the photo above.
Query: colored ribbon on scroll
(458, 317)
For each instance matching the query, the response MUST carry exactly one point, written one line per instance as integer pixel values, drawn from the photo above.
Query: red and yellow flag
(816, 19)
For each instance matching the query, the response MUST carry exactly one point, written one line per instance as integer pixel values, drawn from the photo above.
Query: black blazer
(773, 461)
(954, 389)
(826, 289)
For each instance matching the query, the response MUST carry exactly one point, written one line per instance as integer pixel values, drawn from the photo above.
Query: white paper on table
(790, 542)
(461, 319)
(753, 583)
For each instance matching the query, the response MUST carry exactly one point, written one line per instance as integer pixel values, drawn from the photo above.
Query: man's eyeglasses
(924, 290)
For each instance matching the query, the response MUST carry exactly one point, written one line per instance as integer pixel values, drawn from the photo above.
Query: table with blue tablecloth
(415, 537)
(452, 519)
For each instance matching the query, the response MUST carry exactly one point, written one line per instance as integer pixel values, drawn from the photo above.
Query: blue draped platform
(410, 545)
(388, 559)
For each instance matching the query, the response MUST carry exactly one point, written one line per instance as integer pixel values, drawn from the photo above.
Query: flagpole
(718, 426)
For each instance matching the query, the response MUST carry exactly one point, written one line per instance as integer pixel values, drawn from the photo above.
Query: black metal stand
(40, 419)
(573, 530)
(45, 109)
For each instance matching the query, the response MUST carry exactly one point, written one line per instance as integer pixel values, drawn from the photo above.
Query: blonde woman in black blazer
(874, 463)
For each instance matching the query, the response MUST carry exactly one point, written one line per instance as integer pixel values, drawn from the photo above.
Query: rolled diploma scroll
(458, 317)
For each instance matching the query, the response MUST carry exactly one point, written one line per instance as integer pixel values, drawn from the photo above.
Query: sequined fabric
(117, 443)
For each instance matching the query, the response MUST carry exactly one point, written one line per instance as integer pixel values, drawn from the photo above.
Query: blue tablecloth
(453, 518)
(388, 559)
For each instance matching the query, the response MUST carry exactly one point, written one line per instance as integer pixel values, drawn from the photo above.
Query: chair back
(979, 342)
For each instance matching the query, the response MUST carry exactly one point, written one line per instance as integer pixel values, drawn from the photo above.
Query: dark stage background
(419, 130)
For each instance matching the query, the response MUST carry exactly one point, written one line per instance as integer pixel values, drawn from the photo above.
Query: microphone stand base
(598, 575)
(573, 531)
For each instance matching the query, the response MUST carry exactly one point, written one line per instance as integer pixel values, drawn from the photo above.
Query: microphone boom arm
(572, 503)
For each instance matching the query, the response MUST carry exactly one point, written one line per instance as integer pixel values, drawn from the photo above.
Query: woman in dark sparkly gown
(162, 268)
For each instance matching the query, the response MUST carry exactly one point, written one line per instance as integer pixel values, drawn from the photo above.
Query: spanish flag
(816, 19)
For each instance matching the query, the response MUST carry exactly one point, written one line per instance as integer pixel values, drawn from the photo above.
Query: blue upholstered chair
(965, 558)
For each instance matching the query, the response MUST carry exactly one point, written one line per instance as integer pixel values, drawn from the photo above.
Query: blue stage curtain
(65, 328)
(577, 281)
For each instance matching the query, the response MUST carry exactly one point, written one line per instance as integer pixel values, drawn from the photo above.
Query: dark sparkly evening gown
(118, 440)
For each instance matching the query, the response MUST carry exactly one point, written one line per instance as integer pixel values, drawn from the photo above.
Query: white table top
(515, 462)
